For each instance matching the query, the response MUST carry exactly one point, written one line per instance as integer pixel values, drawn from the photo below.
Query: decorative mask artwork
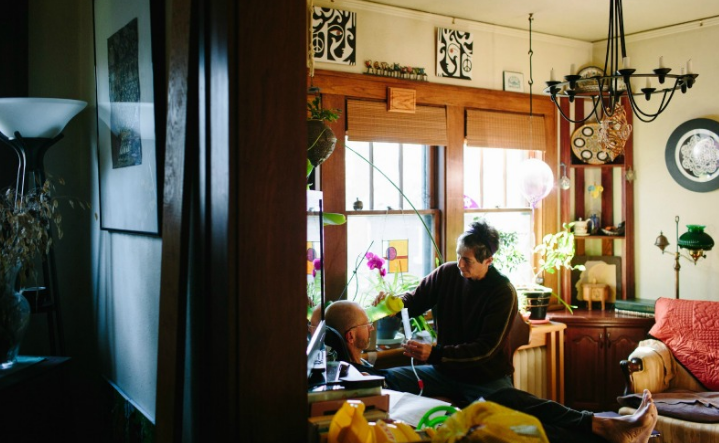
(454, 53)
(334, 35)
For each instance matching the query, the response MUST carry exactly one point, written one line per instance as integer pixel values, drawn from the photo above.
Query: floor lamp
(695, 240)
(30, 126)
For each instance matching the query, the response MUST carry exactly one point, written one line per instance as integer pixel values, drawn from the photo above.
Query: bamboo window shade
(496, 129)
(370, 121)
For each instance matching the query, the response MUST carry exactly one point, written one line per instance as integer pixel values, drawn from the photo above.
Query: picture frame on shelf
(129, 81)
(513, 81)
(605, 269)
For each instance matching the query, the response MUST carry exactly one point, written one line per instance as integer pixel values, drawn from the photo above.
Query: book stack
(324, 403)
(634, 308)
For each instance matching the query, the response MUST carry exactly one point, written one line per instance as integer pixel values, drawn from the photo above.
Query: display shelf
(616, 206)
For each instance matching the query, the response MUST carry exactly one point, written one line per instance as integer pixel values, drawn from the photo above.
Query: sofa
(679, 364)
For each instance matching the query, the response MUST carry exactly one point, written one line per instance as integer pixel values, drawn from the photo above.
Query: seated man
(561, 424)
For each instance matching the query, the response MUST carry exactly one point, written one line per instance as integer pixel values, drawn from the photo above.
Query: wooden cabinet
(594, 344)
(614, 204)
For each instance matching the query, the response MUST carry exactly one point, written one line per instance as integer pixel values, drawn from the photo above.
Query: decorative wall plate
(692, 155)
(594, 71)
(586, 146)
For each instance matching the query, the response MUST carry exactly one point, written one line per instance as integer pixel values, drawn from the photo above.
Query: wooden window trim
(338, 87)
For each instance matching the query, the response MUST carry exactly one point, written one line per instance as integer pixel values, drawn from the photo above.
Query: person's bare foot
(635, 428)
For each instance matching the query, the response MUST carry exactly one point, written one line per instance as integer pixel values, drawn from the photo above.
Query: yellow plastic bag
(489, 422)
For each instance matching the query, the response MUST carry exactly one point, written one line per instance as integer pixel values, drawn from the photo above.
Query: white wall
(109, 283)
(658, 198)
(406, 37)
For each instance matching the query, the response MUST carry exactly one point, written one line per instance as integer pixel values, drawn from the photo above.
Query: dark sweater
(472, 318)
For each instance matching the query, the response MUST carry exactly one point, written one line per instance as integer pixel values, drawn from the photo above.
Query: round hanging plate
(586, 85)
(692, 155)
(586, 146)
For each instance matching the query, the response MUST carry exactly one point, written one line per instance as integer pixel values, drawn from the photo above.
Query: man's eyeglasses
(369, 326)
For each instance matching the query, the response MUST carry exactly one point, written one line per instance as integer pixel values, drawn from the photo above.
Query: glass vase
(14, 317)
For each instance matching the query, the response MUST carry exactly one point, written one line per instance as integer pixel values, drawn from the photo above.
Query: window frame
(337, 87)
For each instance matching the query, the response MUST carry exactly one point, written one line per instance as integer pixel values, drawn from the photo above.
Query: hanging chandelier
(607, 88)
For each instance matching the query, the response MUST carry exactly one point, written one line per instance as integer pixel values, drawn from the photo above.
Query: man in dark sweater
(473, 307)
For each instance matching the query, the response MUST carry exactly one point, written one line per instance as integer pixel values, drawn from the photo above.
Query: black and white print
(454, 54)
(334, 35)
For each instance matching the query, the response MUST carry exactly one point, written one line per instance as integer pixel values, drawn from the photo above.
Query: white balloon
(536, 180)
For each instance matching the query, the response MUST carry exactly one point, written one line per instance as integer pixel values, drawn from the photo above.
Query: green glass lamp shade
(696, 239)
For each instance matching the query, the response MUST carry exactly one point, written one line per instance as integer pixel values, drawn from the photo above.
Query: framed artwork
(334, 35)
(692, 155)
(129, 76)
(513, 81)
(605, 269)
(454, 54)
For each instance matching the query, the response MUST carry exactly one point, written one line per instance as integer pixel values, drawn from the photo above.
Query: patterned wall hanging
(454, 54)
(396, 252)
(334, 35)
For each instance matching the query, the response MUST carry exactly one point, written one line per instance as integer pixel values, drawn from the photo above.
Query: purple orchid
(375, 262)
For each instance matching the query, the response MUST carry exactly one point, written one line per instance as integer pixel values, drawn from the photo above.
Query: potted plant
(555, 252)
(321, 139)
(25, 222)
(397, 284)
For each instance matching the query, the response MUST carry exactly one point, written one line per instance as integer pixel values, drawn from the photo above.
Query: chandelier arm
(619, 10)
(649, 117)
(566, 117)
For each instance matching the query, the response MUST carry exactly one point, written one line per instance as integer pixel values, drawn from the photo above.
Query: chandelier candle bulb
(661, 62)
(571, 69)
(551, 75)
(625, 63)
(689, 67)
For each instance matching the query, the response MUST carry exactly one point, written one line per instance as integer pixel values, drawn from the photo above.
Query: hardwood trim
(375, 87)
(453, 175)
(175, 229)
(332, 177)
(268, 185)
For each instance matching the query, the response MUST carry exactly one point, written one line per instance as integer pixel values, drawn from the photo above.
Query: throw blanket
(690, 328)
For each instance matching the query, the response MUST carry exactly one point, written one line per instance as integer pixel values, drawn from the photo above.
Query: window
(490, 194)
(387, 225)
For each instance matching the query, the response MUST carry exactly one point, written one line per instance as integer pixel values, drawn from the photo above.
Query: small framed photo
(513, 81)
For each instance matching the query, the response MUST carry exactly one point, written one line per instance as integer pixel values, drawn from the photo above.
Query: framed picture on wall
(513, 81)
(129, 76)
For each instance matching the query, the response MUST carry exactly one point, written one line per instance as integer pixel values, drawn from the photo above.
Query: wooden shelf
(572, 205)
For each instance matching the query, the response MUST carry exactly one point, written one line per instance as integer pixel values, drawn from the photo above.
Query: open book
(410, 408)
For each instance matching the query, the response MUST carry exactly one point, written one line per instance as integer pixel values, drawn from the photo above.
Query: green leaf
(332, 219)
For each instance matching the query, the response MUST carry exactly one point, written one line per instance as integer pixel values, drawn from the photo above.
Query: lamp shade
(696, 239)
(36, 117)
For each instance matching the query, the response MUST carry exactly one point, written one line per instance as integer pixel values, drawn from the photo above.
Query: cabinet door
(584, 367)
(620, 343)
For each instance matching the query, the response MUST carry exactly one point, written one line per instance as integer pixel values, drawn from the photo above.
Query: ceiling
(585, 20)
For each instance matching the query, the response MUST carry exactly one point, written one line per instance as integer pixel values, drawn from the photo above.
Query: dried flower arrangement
(25, 227)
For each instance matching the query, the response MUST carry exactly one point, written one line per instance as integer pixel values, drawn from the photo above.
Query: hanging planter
(321, 142)
(321, 139)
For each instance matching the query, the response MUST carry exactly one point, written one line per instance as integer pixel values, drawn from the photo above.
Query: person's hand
(417, 350)
(381, 296)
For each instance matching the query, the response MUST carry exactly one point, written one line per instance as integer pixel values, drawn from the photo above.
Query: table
(527, 362)
(35, 402)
